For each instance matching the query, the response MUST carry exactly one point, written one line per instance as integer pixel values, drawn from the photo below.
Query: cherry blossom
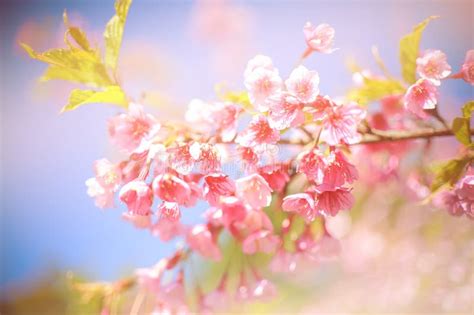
(420, 96)
(276, 175)
(217, 185)
(258, 133)
(330, 202)
(200, 239)
(319, 38)
(261, 84)
(171, 188)
(170, 211)
(301, 203)
(259, 61)
(433, 65)
(138, 197)
(467, 68)
(254, 190)
(126, 131)
(261, 241)
(303, 84)
(285, 111)
(340, 124)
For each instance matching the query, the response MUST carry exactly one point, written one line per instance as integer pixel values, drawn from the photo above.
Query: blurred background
(174, 51)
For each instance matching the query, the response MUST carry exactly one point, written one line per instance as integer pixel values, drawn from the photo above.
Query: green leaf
(77, 34)
(461, 130)
(375, 89)
(448, 172)
(409, 50)
(73, 64)
(112, 95)
(467, 109)
(114, 32)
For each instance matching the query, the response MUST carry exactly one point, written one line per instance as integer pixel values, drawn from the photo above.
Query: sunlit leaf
(76, 33)
(448, 172)
(467, 109)
(114, 32)
(461, 130)
(375, 89)
(111, 95)
(409, 50)
(75, 65)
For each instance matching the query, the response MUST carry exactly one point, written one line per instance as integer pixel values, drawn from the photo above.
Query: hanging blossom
(421, 96)
(319, 38)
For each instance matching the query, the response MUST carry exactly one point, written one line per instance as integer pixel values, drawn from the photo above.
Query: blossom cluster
(259, 203)
(432, 67)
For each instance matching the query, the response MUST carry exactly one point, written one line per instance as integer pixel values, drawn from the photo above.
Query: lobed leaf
(409, 50)
(114, 32)
(112, 95)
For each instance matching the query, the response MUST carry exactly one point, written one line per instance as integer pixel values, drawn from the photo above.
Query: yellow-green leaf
(461, 130)
(76, 33)
(467, 109)
(111, 95)
(409, 50)
(448, 172)
(72, 64)
(114, 32)
(375, 89)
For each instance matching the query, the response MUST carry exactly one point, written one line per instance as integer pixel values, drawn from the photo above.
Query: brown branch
(378, 136)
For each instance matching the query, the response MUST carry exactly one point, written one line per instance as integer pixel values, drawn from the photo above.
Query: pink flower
(285, 111)
(138, 197)
(217, 185)
(312, 164)
(340, 124)
(209, 158)
(248, 157)
(304, 84)
(338, 170)
(224, 117)
(254, 190)
(330, 202)
(171, 188)
(183, 156)
(433, 65)
(108, 175)
(261, 84)
(319, 38)
(233, 210)
(167, 229)
(104, 198)
(467, 69)
(200, 239)
(303, 204)
(422, 95)
(276, 175)
(261, 241)
(258, 133)
(106, 182)
(259, 61)
(138, 220)
(127, 130)
(170, 211)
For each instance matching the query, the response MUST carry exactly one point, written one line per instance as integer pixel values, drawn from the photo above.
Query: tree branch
(379, 136)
